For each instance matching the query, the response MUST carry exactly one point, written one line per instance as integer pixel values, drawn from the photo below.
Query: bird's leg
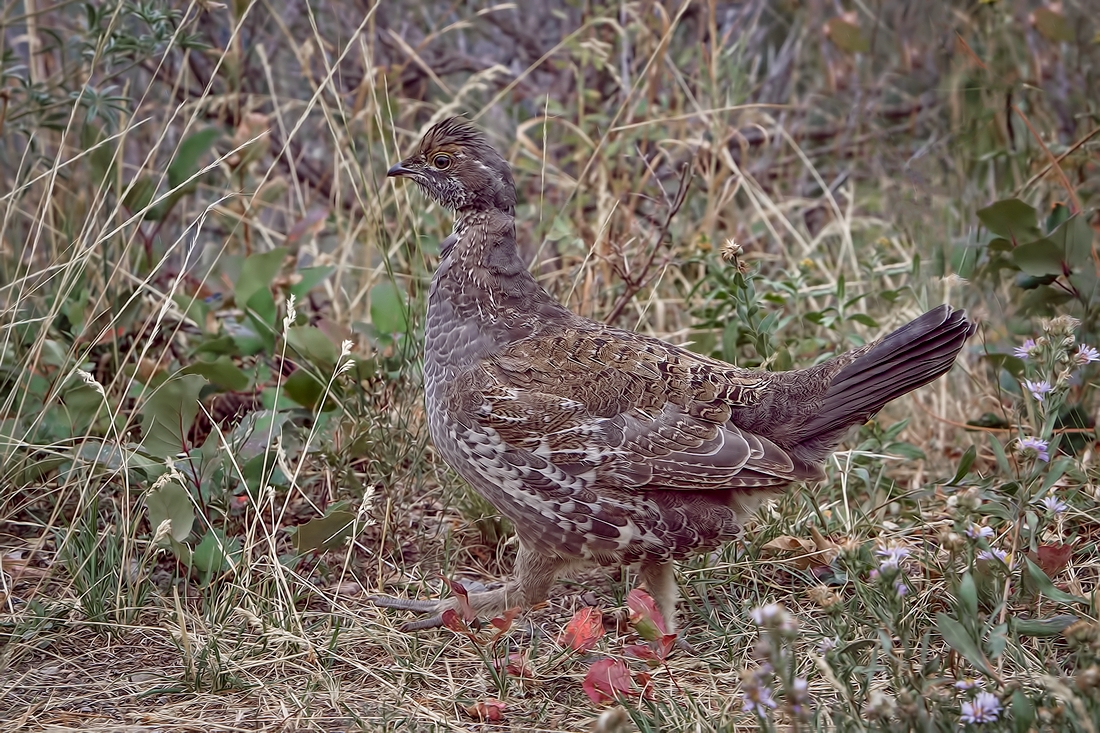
(660, 581)
(530, 584)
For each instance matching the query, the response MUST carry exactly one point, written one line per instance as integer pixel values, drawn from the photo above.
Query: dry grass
(840, 175)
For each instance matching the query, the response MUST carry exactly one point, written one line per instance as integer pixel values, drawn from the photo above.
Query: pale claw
(408, 604)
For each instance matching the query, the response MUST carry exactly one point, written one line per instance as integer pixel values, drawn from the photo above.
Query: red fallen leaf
(489, 710)
(454, 622)
(644, 616)
(607, 679)
(517, 665)
(640, 651)
(584, 630)
(504, 621)
(664, 645)
(459, 592)
(645, 682)
(1053, 558)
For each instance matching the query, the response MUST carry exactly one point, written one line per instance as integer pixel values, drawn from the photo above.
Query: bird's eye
(442, 162)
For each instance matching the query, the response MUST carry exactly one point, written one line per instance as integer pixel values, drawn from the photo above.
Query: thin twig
(634, 284)
(1053, 161)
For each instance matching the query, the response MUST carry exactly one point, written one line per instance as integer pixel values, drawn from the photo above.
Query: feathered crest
(453, 131)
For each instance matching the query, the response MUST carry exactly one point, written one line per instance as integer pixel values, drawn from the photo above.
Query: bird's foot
(486, 604)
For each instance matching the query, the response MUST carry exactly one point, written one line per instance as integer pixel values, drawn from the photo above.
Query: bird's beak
(398, 170)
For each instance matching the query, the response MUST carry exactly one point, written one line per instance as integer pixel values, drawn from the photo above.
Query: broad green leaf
(1045, 586)
(324, 533)
(1030, 282)
(387, 308)
(264, 314)
(311, 277)
(215, 553)
(959, 639)
(1043, 626)
(1011, 219)
(303, 388)
(221, 372)
(1073, 237)
(312, 343)
(1023, 712)
(171, 501)
(256, 433)
(140, 193)
(167, 415)
(188, 155)
(257, 272)
(863, 319)
(1014, 365)
(1040, 258)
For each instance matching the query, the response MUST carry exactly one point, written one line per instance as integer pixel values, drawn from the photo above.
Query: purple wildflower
(1053, 504)
(1039, 389)
(1086, 355)
(994, 554)
(967, 683)
(984, 708)
(976, 532)
(1024, 351)
(1032, 447)
(891, 557)
(758, 699)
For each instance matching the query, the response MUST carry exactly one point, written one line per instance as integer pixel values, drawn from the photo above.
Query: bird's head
(455, 165)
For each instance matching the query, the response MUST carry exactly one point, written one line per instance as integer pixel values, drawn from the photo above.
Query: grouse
(605, 446)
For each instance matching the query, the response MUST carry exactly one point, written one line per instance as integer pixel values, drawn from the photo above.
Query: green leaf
(1073, 237)
(864, 319)
(171, 501)
(221, 372)
(1014, 365)
(311, 278)
(257, 272)
(848, 37)
(1023, 712)
(191, 150)
(968, 596)
(311, 343)
(324, 533)
(965, 463)
(168, 414)
(263, 312)
(387, 308)
(1011, 219)
(1045, 586)
(1040, 258)
(139, 194)
(215, 552)
(303, 388)
(999, 453)
(959, 639)
(1042, 627)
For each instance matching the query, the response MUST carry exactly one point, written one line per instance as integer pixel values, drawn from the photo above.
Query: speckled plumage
(603, 445)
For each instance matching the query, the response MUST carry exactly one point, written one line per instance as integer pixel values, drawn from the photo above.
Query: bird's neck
(484, 255)
(482, 295)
